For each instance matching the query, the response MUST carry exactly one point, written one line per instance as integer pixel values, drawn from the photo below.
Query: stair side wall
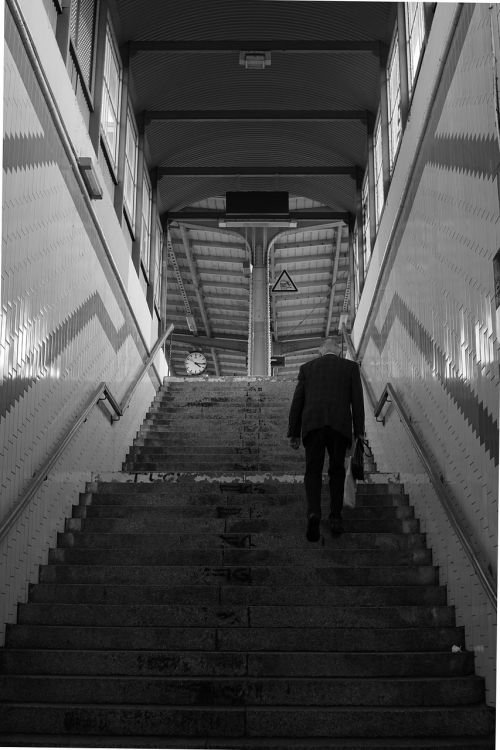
(429, 326)
(66, 325)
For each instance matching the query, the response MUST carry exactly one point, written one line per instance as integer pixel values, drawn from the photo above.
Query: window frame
(158, 263)
(129, 169)
(146, 223)
(378, 169)
(356, 264)
(76, 57)
(410, 21)
(112, 47)
(366, 222)
(393, 72)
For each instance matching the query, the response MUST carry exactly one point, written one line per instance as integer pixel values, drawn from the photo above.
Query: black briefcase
(357, 460)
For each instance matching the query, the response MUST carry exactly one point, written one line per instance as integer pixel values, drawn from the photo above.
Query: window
(111, 96)
(146, 225)
(415, 33)
(378, 169)
(357, 279)
(158, 264)
(393, 101)
(82, 34)
(366, 234)
(130, 174)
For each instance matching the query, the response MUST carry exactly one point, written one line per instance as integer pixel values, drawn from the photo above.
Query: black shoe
(312, 529)
(336, 526)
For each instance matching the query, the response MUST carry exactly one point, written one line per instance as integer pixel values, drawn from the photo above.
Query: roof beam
(225, 285)
(210, 46)
(196, 280)
(257, 171)
(209, 214)
(287, 347)
(238, 344)
(218, 259)
(300, 309)
(252, 115)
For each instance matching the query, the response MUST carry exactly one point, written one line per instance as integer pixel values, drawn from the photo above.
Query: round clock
(195, 363)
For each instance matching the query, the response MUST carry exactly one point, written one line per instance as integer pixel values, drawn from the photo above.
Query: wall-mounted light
(86, 167)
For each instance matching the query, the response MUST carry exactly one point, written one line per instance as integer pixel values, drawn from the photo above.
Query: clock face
(196, 363)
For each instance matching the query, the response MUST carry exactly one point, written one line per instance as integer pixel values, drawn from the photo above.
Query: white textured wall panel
(65, 327)
(431, 330)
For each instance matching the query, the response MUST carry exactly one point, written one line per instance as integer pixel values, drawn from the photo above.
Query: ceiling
(298, 125)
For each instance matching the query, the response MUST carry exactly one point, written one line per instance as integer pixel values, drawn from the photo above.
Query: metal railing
(389, 395)
(101, 393)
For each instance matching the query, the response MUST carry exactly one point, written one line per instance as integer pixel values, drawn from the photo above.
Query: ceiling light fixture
(232, 223)
(255, 60)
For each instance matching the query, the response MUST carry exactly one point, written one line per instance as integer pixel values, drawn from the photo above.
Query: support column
(259, 343)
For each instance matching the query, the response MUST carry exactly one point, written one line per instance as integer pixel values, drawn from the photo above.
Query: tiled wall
(65, 327)
(431, 330)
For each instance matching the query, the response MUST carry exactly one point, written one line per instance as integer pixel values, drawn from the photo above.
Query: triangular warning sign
(284, 283)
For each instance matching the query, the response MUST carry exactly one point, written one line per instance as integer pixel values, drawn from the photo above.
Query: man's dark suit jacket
(329, 393)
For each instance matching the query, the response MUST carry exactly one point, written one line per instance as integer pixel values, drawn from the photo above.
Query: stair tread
(236, 657)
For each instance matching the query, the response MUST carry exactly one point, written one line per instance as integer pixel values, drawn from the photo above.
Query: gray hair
(330, 345)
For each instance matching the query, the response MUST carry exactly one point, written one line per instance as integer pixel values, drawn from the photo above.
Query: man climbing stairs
(183, 606)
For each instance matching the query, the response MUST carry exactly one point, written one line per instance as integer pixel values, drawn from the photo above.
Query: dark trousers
(315, 443)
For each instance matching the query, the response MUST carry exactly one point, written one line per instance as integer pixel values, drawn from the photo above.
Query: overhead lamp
(343, 319)
(191, 323)
(234, 223)
(255, 60)
(89, 176)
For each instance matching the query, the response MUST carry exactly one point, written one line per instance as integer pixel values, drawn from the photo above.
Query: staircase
(183, 606)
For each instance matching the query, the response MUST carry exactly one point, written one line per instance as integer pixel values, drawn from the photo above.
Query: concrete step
(253, 743)
(232, 526)
(242, 539)
(270, 575)
(254, 510)
(255, 721)
(237, 663)
(217, 497)
(264, 616)
(235, 639)
(249, 691)
(243, 557)
(370, 596)
(227, 499)
(166, 465)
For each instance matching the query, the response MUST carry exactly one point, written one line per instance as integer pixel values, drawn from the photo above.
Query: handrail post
(144, 368)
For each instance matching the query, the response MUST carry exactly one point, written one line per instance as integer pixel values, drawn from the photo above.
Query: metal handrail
(41, 474)
(101, 393)
(389, 395)
(143, 370)
(483, 574)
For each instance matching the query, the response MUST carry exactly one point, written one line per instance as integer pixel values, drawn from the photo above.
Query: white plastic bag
(349, 485)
